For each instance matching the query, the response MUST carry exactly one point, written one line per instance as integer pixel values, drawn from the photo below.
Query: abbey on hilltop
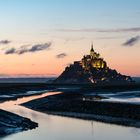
(91, 69)
(93, 60)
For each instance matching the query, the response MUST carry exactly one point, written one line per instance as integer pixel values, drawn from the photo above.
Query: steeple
(92, 50)
(92, 53)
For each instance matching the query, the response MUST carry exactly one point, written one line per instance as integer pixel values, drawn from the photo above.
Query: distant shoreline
(46, 84)
(38, 79)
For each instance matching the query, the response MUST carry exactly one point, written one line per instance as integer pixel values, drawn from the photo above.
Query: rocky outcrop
(75, 74)
(91, 69)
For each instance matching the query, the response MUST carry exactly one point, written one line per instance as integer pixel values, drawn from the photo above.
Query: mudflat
(12, 123)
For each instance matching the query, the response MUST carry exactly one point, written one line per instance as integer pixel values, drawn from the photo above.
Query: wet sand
(12, 123)
(73, 105)
(69, 104)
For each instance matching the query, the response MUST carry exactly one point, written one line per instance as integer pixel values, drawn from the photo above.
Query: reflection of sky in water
(64, 128)
(129, 100)
(126, 96)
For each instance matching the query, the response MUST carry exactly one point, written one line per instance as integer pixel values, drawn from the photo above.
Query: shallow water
(64, 128)
(132, 97)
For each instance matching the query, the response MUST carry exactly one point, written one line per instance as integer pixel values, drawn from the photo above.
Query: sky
(42, 37)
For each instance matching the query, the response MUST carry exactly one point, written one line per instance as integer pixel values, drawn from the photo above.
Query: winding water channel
(65, 128)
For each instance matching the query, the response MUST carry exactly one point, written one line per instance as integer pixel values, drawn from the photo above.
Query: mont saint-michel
(69, 69)
(92, 69)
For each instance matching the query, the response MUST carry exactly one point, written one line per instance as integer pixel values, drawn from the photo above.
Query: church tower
(92, 51)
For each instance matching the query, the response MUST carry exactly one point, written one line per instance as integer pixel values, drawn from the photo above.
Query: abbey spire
(92, 51)
(92, 47)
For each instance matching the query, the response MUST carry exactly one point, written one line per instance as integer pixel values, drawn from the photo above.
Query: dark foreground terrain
(72, 103)
(77, 105)
(12, 91)
(12, 123)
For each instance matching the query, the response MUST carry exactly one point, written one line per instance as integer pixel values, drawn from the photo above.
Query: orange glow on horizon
(45, 63)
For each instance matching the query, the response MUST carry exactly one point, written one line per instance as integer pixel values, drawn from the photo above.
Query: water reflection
(8, 104)
(65, 128)
(92, 128)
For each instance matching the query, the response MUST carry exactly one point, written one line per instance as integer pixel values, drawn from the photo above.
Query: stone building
(91, 69)
(93, 61)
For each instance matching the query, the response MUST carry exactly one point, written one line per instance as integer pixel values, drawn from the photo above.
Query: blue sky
(70, 13)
